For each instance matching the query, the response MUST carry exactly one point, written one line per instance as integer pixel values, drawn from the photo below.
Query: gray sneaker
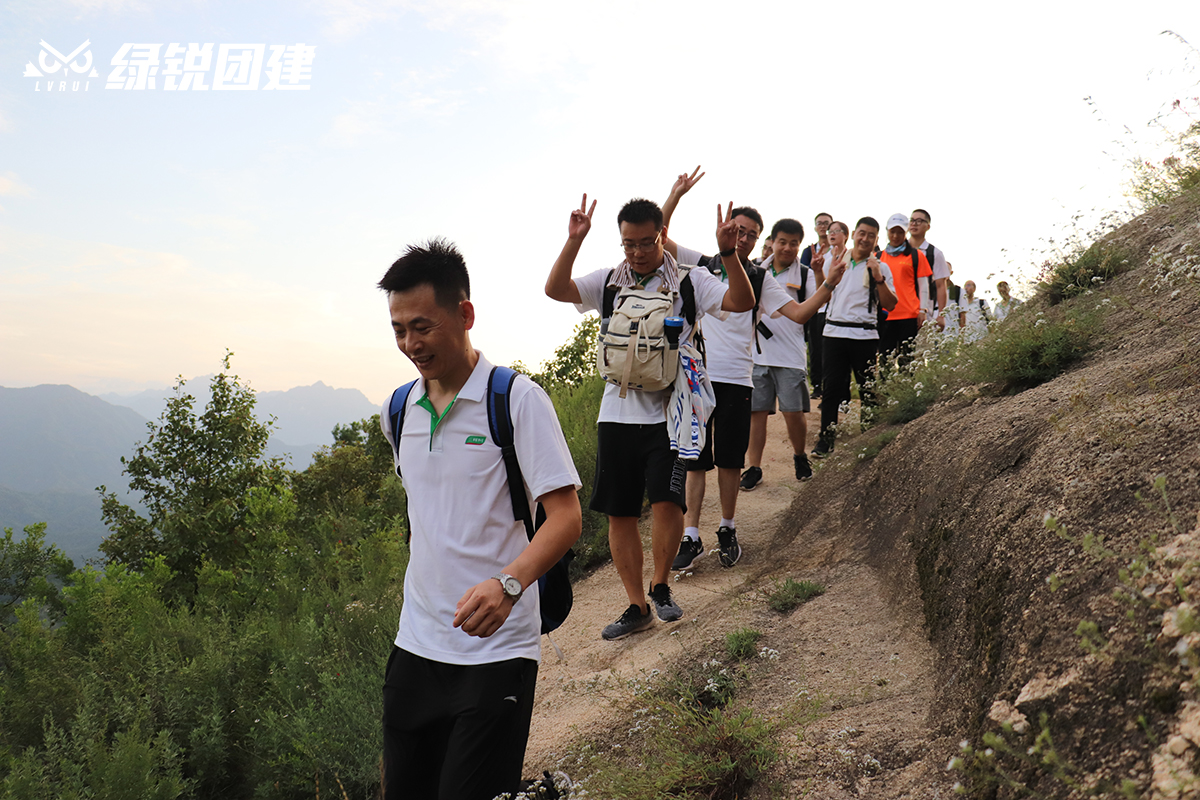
(729, 550)
(631, 621)
(666, 608)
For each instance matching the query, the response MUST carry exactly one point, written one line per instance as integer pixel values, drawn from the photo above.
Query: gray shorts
(788, 384)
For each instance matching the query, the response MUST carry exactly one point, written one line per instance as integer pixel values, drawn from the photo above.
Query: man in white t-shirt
(851, 326)
(459, 686)
(634, 457)
(918, 226)
(728, 346)
(779, 357)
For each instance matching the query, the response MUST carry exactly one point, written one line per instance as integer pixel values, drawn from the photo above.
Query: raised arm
(740, 296)
(801, 313)
(683, 185)
(886, 298)
(560, 285)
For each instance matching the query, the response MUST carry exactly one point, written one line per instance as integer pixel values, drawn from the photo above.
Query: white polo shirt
(461, 517)
(940, 270)
(728, 343)
(849, 302)
(638, 407)
(787, 348)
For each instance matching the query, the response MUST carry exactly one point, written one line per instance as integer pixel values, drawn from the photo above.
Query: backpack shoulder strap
(802, 295)
(610, 296)
(500, 424)
(688, 292)
(396, 415)
(756, 275)
(916, 259)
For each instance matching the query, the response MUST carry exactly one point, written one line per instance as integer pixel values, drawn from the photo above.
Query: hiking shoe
(751, 478)
(803, 468)
(729, 550)
(632, 621)
(666, 608)
(822, 449)
(690, 551)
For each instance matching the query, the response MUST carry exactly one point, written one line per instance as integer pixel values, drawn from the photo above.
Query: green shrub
(791, 593)
(742, 643)
(1086, 270)
(1034, 348)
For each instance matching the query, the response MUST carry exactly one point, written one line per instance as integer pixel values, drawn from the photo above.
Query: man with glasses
(814, 329)
(918, 227)
(728, 355)
(634, 457)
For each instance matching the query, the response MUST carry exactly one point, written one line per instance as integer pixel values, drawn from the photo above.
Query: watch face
(512, 587)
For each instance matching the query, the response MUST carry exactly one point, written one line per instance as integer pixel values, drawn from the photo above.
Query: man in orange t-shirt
(908, 316)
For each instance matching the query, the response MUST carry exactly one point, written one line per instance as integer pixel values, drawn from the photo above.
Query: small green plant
(1034, 348)
(742, 643)
(1087, 270)
(789, 594)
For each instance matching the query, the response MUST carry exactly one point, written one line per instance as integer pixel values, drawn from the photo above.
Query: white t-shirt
(729, 343)
(849, 302)
(787, 347)
(976, 326)
(461, 516)
(637, 407)
(940, 271)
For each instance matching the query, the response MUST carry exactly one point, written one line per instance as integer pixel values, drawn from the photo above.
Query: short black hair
(787, 225)
(436, 263)
(824, 214)
(928, 216)
(869, 221)
(639, 210)
(747, 211)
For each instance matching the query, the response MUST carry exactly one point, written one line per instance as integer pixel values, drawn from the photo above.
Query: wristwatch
(512, 586)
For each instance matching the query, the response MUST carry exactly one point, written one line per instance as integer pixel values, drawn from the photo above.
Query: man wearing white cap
(910, 273)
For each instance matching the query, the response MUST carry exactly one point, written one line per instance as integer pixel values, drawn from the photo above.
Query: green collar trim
(435, 418)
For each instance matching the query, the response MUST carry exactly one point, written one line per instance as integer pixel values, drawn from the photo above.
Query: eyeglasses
(748, 235)
(918, 219)
(823, 223)
(641, 247)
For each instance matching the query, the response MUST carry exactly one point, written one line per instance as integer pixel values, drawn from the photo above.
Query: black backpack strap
(610, 296)
(916, 258)
(756, 275)
(499, 408)
(687, 292)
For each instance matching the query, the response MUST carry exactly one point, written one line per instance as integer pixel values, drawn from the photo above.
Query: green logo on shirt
(476, 439)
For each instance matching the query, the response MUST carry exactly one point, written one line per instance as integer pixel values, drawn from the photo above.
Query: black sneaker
(730, 550)
(666, 608)
(822, 449)
(751, 478)
(803, 468)
(690, 551)
(632, 621)
(815, 394)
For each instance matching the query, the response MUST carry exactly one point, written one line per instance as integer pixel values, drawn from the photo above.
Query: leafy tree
(29, 569)
(194, 473)
(574, 362)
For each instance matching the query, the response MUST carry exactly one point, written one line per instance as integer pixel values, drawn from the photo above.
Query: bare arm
(484, 608)
(560, 285)
(801, 313)
(683, 185)
(740, 296)
(886, 298)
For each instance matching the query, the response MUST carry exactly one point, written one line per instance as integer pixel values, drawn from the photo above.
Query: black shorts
(728, 430)
(455, 731)
(634, 462)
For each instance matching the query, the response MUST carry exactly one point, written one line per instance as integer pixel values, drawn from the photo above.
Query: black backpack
(756, 274)
(554, 588)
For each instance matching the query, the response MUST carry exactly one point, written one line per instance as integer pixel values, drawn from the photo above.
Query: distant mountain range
(57, 444)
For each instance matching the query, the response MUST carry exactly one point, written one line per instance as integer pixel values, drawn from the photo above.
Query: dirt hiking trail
(856, 653)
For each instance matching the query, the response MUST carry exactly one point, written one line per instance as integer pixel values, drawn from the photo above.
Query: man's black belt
(866, 326)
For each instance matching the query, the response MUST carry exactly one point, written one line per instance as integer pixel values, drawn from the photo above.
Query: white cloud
(11, 186)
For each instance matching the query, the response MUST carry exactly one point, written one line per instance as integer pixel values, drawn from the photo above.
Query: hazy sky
(144, 231)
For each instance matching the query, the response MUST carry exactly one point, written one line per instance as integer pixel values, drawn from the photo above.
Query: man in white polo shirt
(634, 457)
(935, 304)
(779, 357)
(851, 326)
(459, 687)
